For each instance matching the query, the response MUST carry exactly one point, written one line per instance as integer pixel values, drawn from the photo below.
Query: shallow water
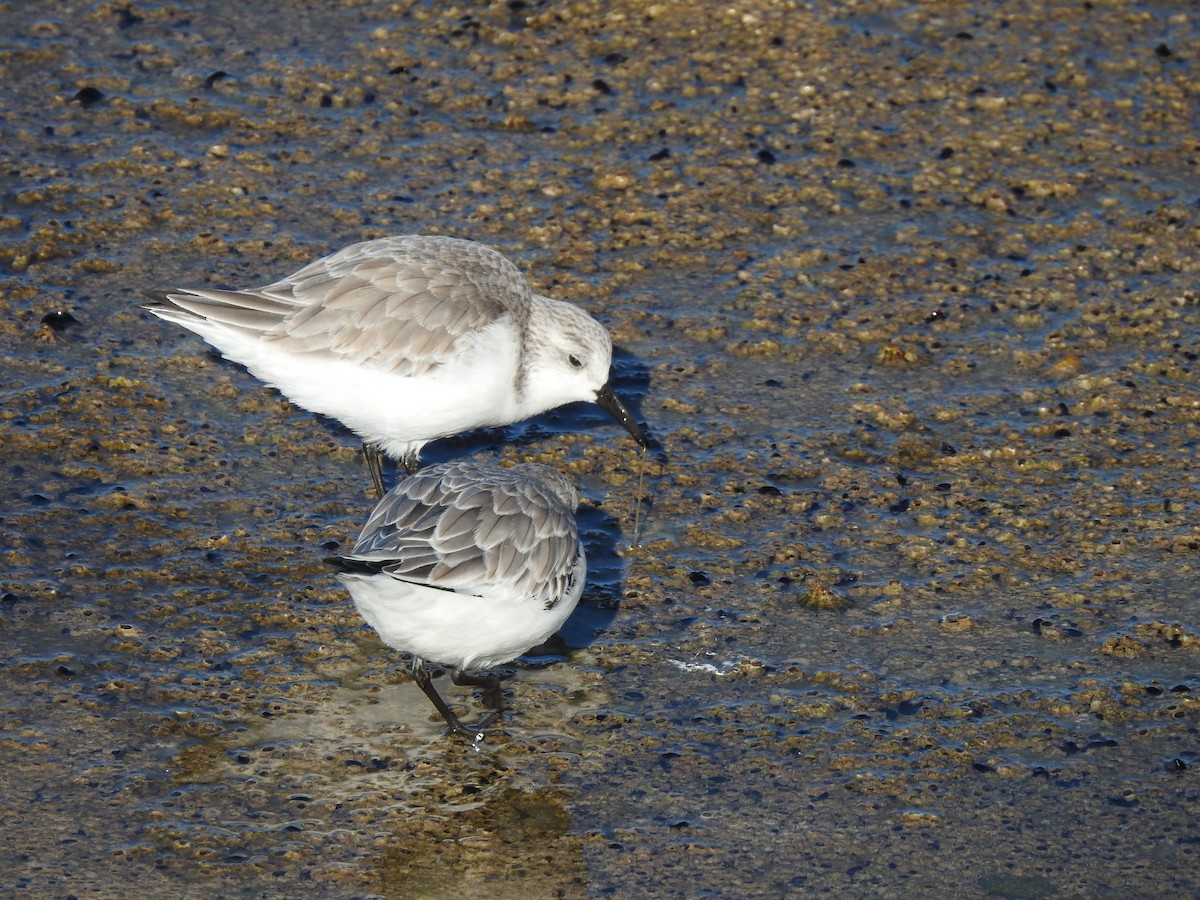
(908, 298)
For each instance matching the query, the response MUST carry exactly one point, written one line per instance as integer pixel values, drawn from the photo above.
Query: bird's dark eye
(575, 361)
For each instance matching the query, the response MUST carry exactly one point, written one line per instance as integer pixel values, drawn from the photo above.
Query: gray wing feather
(454, 522)
(250, 312)
(490, 530)
(468, 526)
(401, 304)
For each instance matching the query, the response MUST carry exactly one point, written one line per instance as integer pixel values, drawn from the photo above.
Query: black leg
(493, 695)
(493, 698)
(410, 462)
(373, 457)
(421, 677)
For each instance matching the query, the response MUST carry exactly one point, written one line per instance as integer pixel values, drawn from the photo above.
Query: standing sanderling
(407, 339)
(469, 565)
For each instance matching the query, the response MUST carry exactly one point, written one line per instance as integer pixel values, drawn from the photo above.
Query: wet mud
(905, 292)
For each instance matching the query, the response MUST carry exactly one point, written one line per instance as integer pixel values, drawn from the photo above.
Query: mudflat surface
(906, 291)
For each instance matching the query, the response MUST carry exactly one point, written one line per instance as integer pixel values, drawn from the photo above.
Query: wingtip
(157, 299)
(348, 565)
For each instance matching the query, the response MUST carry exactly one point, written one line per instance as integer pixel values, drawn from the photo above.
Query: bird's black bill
(608, 402)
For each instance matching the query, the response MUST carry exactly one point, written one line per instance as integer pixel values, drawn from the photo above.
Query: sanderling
(469, 565)
(407, 339)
